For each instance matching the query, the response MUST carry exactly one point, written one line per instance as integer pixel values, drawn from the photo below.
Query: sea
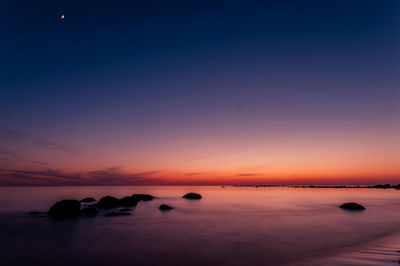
(228, 226)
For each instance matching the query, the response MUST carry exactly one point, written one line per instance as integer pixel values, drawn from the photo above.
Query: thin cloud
(53, 146)
(8, 155)
(46, 144)
(8, 133)
(110, 176)
(194, 173)
(249, 174)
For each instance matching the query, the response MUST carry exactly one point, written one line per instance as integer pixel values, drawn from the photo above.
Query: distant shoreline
(381, 186)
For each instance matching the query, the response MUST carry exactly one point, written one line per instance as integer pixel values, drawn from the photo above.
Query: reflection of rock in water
(117, 213)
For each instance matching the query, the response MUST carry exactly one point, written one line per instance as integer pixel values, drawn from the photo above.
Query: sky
(199, 92)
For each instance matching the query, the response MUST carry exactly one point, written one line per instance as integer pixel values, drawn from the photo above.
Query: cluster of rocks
(385, 186)
(72, 208)
(120, 207)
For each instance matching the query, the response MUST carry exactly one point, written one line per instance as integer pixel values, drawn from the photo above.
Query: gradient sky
(199, 92)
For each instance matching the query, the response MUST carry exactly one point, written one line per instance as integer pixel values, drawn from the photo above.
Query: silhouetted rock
(192, 196)
(382, 186)
(38, 214)
(88, 200)
(144, 197)
(90, 210)
(65, 209)
(165, 207)
(352, 206)
(107, 202)
(116, 213)
(127, 202)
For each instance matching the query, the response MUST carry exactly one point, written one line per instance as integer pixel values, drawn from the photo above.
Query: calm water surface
(229, 226)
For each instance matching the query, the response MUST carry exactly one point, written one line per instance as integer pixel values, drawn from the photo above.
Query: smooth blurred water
(229, 226)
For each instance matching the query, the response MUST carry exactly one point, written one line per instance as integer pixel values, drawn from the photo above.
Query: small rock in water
(165, 207)
(144, 197)
(116, 213)
(352, 206)
(192, 196)
(88, 200)
(90, 210)
(65, 209)
(107, 202)
(38, 214)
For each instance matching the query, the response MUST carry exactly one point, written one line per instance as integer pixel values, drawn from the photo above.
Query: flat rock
(36, 213)
(165, 207)
(352, 206)
(192, 196)
(65, 209)
(88, 200)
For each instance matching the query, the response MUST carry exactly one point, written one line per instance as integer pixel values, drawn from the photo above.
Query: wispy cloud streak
(7, 133)
(8, 155)
(110, 176)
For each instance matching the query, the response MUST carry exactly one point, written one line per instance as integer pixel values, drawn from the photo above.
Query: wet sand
(383, 251)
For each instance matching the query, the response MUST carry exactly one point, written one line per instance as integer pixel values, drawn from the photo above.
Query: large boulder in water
(65, 209)
(192, 196)
(88, 200)
(352, 206)
(144, 197)
(165, 207)
(107, 203)
(127, 202)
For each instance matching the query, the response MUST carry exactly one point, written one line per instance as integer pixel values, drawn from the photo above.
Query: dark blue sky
(147, 73)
